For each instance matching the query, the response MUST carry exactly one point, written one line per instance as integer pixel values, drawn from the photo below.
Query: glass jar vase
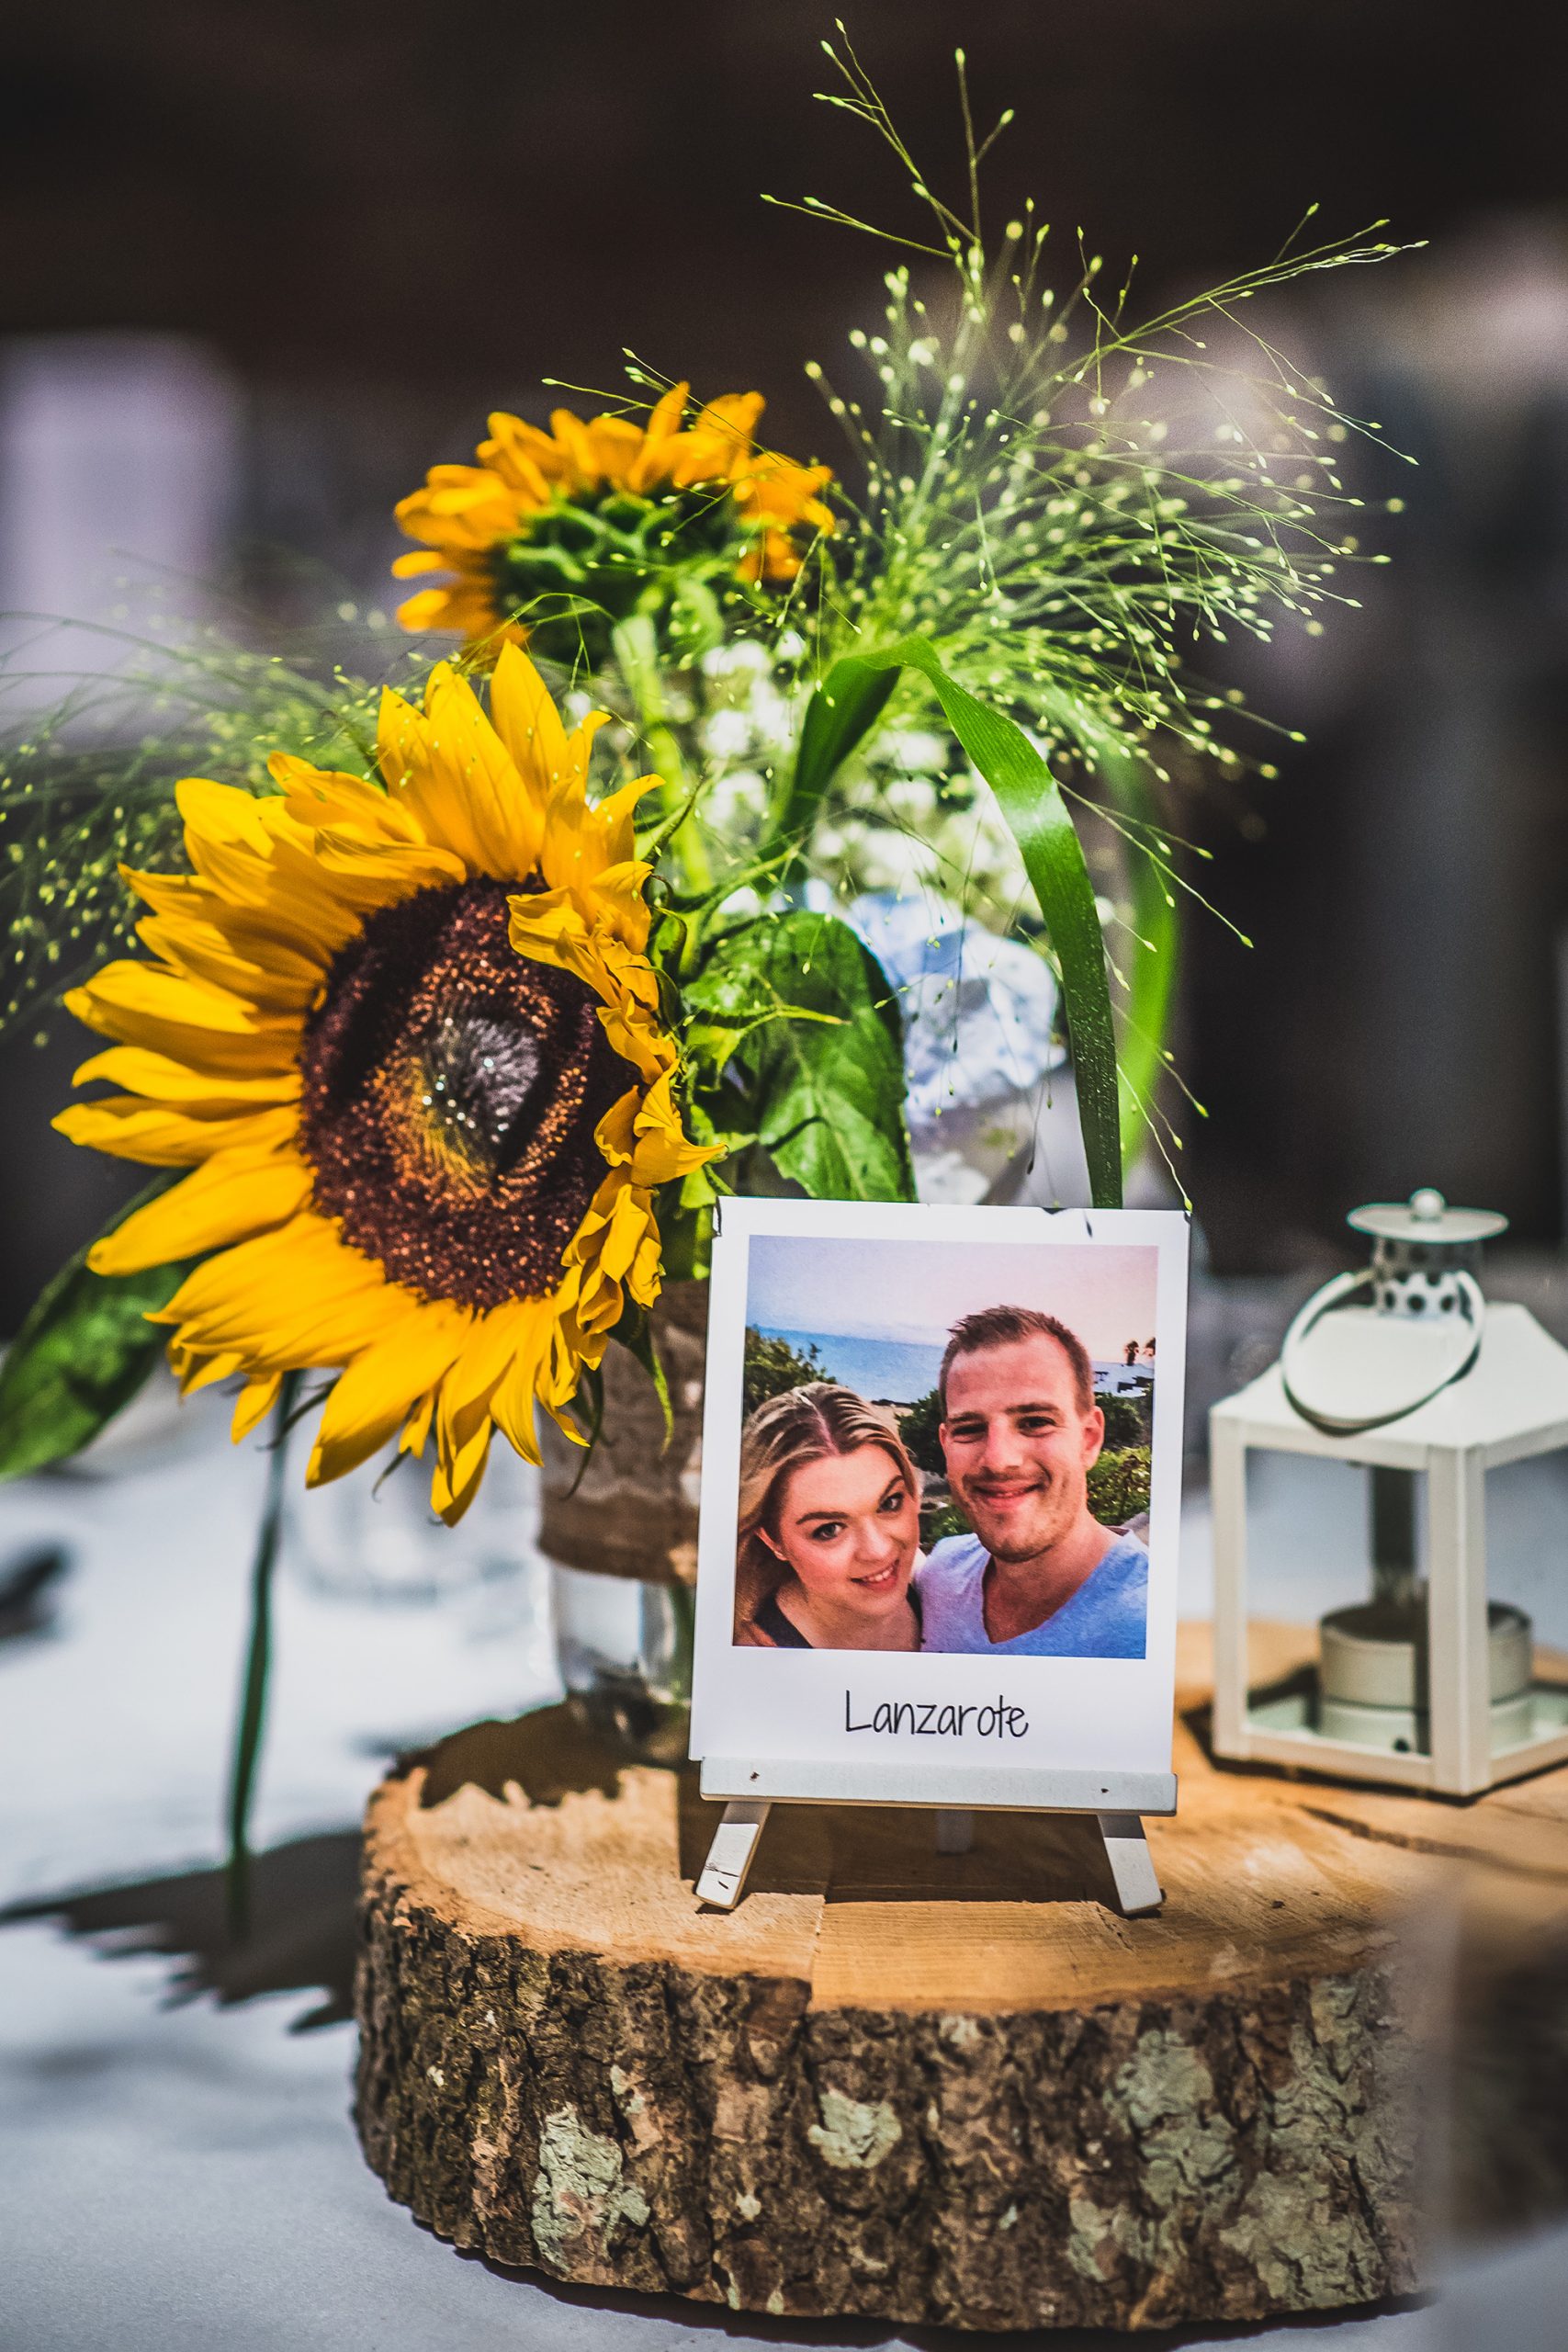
(619, 1525)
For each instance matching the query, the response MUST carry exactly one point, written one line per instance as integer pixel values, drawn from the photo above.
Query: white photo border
(1087, 1719)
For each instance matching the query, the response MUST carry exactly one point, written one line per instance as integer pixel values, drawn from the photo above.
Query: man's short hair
(998, 1327)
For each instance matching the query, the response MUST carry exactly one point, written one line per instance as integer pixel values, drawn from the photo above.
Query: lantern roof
(1512, 1402)
(1426, 1218)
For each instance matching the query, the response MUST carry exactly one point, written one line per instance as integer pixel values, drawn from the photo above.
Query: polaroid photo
(941, 1507)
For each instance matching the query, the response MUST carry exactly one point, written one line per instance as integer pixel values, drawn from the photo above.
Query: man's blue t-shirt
(1105, 1618)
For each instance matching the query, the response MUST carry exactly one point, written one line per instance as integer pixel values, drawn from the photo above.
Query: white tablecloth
(177, 2168)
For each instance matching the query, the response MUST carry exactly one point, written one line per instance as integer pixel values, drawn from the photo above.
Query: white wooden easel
(1117, 1800)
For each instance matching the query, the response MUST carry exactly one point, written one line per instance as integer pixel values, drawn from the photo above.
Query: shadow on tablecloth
(303, 1896)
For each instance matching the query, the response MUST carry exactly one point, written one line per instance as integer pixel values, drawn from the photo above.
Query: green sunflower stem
(258, 1659)
(636, 656)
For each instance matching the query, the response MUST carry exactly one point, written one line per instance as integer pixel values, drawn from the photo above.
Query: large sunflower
(579, 518)
(407, 1041)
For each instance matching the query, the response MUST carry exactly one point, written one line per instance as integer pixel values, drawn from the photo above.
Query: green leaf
(82, 1354)
(839, 716)
(852, 696)
(1151, 955)
(819, 1053)
(1151, 987)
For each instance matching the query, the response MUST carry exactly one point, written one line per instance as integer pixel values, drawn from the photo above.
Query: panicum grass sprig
(87, 778)
(1072, 499)
(1073, 503)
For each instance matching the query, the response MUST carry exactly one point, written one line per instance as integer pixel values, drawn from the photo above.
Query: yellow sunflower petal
(194, 1371)
(167, 1080)
(220, 812)
(481, 1363)
(451, 769)
(216, 1035)
(527, 460)
(236, 1193)
(255, 1402)
(291, 1299)
(662, 1151)
(279, 984)
(130, 1128)
(277, 935)
(616, 898)
(416, 1429)
(380, 1387)
(610, 896)
(462, 507)
(436, 608)
(636, 1035)
(615, 1134)
(454, 1486)
(577, 445)
(606, 1248)
(513, 1405)
(551, 927)
(342, 803)
(529, 725)
(661, 439)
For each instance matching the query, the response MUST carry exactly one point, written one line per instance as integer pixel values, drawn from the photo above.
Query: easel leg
(1126, 1849)
(723, 1879)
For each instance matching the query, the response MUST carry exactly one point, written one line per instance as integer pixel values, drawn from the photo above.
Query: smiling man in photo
(1020, 1430)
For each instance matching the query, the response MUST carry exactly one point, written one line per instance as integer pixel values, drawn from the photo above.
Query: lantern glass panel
(1526, 1546)
(1333, 1540)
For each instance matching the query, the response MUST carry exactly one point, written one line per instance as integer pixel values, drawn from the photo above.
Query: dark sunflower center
(450, 1092)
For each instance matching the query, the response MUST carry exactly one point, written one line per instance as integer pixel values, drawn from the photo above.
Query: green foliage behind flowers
(84, 1352)
(796, 1049)
(773, 1367)
(1119, 1485)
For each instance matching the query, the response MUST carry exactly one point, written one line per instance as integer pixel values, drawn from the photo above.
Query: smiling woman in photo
(829, 1526)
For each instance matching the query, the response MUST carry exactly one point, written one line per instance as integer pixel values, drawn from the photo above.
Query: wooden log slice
(932, 2088)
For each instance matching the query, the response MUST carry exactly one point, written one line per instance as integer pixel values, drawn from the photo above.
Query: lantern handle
(1338, 1293)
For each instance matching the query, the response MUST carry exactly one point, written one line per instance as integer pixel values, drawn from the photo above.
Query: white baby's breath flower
(737, 800)
(743, 658)
(727, 734)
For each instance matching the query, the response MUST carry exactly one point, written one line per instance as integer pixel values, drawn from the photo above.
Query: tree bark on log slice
(955, 2090)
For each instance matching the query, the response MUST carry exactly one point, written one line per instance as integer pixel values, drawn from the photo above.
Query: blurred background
(265, 264)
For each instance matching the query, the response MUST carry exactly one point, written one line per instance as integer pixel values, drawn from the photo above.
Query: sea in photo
(898, 1372)
(885, 1372)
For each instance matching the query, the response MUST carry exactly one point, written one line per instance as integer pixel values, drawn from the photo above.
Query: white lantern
(1405, 1369)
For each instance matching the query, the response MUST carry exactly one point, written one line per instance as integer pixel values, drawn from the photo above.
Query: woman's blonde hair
(806, 1424)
